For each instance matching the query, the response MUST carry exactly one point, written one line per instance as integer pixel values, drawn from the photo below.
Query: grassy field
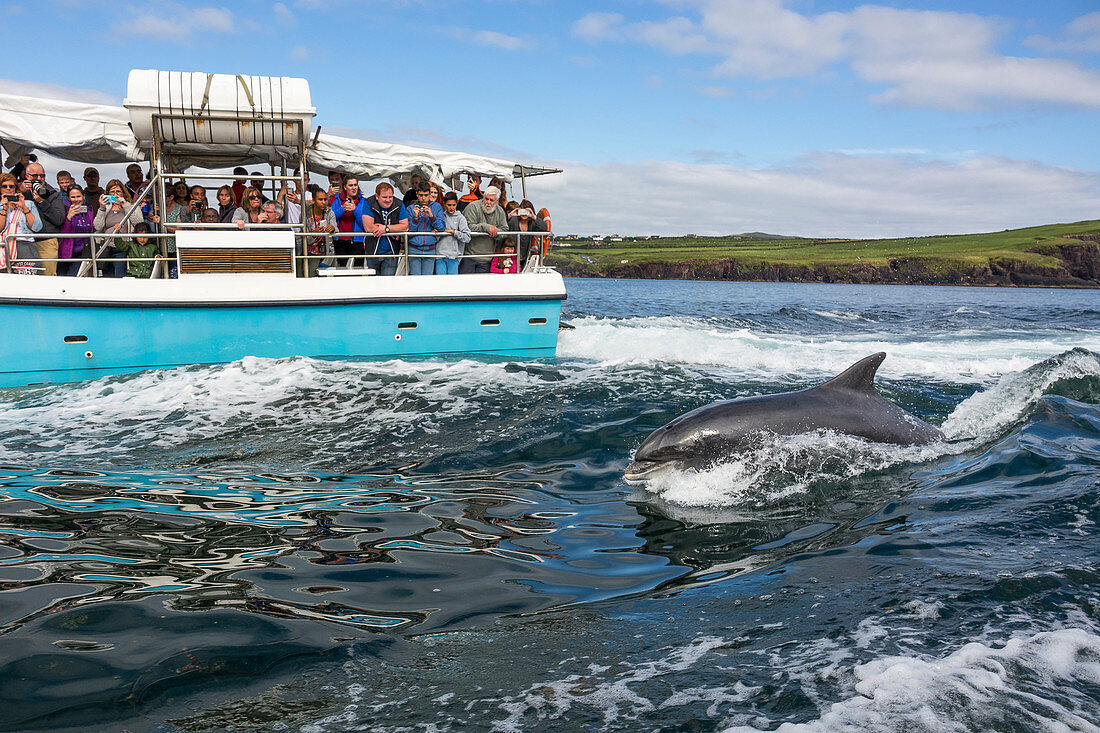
(1036, 246)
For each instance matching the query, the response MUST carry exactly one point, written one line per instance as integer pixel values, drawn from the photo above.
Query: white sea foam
(784, 466)
(1028, 681)
(169, 407)
(989, 411)
(616, 700)
(959, 356)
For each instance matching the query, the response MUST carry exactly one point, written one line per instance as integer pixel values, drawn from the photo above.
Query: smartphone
(112, 199)
(80, 209)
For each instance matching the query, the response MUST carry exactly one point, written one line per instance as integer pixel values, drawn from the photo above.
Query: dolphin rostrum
(847, 403)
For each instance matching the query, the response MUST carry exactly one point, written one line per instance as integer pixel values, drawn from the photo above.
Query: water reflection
(383, 552)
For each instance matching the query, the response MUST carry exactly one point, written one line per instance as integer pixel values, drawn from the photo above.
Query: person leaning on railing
(382, 215)
(17, 216)
(250, 209)
(485, 218)
(112, 218)
(319, 218)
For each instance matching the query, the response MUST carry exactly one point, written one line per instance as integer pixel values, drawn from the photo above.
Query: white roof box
(193, 108)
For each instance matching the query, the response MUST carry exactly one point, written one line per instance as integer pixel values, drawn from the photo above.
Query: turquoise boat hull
(66, 343)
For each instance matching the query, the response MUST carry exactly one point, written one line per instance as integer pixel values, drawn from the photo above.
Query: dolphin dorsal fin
(860, 376)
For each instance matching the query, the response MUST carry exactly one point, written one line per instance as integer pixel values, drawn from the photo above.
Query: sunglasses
(8, 185)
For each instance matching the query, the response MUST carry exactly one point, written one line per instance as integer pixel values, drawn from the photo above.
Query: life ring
(544, 244)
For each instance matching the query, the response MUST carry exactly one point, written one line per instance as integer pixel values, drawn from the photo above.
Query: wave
(1032, 682)
(957, 356)
(277, 404)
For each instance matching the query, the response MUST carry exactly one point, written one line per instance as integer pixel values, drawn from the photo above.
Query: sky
(801, 117)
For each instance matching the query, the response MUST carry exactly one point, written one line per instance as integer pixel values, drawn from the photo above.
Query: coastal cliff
(1068, 260)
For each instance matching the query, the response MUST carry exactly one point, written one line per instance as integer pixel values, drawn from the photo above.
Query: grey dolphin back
(859, 377)
(848, 403)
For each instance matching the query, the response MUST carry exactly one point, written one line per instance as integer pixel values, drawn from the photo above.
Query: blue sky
(708, 116)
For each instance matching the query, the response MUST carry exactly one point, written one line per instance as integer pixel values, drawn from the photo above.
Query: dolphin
(847, 403)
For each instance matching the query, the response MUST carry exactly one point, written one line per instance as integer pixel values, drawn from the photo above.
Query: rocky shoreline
(1079, 267)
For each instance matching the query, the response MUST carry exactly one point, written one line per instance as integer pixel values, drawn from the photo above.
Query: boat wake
(739, 351)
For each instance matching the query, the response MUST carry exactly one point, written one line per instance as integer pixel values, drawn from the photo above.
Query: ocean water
(448, 544)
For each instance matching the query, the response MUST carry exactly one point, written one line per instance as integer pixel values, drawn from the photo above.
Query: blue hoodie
(432, 222)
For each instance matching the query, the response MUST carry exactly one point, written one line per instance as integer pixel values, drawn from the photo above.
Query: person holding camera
(111, 218)
(189, 211)
(348, 207)
(17, 216)
(425, 215)
(523, 219)
(78, 220)
(51, 206)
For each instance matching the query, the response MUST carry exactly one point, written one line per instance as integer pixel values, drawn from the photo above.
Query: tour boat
(238, 293)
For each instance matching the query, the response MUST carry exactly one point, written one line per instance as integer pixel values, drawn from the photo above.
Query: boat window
(410, 324)
(536, 321)
(76, 339)
(490, 322)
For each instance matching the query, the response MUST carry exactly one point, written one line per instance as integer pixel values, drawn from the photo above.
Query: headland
(1055, 255)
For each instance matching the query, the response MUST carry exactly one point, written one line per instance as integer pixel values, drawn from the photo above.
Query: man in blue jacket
(425, 215)
(383, 214)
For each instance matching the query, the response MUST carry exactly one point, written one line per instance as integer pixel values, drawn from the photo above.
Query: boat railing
(100, 241)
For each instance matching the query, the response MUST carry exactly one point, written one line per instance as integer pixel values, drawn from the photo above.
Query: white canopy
(88, 133)
(98, 134)
(387, 160)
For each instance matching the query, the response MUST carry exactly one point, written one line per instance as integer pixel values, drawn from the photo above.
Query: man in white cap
(485, 218)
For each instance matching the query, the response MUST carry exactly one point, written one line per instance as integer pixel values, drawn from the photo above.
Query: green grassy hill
(1057, 254)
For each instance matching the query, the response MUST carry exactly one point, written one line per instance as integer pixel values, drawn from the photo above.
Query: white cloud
(170, 21)
(499, 40)
(1082, 36)
(283, 15)
(597, 26)
(55, 91)
(918, 57)
(715, 92)
(822, 194)
(299, 53)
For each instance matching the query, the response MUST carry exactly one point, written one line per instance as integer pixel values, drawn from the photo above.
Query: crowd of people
(442, 232)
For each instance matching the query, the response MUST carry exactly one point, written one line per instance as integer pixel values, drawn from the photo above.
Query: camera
(40, 189)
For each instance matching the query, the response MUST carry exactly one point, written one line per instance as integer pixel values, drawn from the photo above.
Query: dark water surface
(448, 544)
